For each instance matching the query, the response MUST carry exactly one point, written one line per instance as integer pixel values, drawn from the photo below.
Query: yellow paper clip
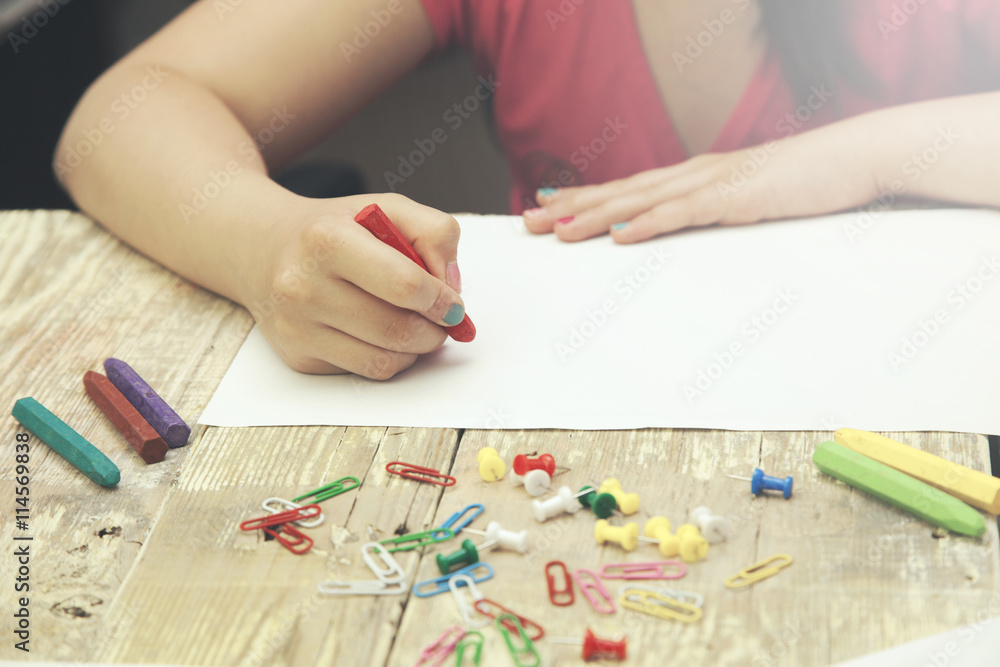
(659, 605)
(762, 570)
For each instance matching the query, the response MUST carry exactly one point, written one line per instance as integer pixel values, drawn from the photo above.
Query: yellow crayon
(976, 488)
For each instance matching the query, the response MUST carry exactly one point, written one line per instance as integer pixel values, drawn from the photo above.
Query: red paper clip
(498, 609)
(566, 592)
(288, 529)
(297, 514)
(420, 474)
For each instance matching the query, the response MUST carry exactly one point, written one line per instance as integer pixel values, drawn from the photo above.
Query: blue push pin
(761, 482)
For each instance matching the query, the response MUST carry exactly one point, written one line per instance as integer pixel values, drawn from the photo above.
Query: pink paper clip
(295, 546)
(663, 569)
(297, 514)
(603, 603)
(441, 648)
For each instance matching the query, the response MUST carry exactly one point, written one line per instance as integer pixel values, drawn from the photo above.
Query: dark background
(42, 79)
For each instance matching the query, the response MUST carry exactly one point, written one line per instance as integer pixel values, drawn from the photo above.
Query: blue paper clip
(441, 583)
(452, 521)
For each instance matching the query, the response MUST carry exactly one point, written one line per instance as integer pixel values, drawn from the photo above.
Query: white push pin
(715, 528)
(536, 482)
(563, 501)
(505, 539)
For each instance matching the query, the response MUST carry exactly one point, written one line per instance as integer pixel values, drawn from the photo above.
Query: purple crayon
(160, 416)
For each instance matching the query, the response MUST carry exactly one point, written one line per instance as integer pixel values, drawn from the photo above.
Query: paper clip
(494, 610)
(420, 473)
(440, 584)
(604, 603)
(418, 539)
(754, 573)
(687, 597)
(285, 505)
(564, 597)
(294, 545)
(664, 569)
(527, 649)
(390, 572)
(452, 522)
(288, 516)
(441, 648)
(330, 490)
(466, 609)
(659, 605)
(364, 587)
(465, 643)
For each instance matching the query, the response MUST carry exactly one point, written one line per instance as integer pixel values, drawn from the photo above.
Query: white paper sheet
(974, 645)
(795, 325)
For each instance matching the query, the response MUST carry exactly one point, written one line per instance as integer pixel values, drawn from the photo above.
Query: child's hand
(805, 175)
(332, 298)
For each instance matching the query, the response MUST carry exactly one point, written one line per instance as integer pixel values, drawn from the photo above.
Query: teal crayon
(898, 489)
(69, 444)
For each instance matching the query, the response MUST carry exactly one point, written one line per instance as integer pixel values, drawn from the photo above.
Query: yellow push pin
(491, 466)
(627, 536)
(657, 531)
(693, 546)
(628, 503)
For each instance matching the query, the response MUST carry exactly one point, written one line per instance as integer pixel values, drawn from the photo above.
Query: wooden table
(156, 570)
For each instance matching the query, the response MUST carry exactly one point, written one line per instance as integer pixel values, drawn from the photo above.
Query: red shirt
(576, 103)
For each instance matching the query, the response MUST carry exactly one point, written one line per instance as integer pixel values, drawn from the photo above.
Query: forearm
(940, 149)
(164, 164)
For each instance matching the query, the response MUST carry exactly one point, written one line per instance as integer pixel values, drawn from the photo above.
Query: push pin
(563, 501)
(491, 466)
(715, 528)
(595, 648)
(628, 503)
(467, 554)
(546, 462)
(693, 547)
(601, 504)
(506, 539)
(657, 531)
(761, 482)
(536, 482)
(626, 536)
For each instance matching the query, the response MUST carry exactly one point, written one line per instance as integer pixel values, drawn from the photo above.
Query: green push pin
(466, 555)
(602, 504)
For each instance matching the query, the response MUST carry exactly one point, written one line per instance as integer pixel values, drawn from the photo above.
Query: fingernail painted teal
(547, 192)
(619, 225)
(455, 315)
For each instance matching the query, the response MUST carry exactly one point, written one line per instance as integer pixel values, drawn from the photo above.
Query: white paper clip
(465, 609)
(366, 587)
(391, 573)
(284, 505)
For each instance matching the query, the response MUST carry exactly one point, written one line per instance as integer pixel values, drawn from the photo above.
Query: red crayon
(377, 222)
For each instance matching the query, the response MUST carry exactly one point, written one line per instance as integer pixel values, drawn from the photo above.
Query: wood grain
(157, 570)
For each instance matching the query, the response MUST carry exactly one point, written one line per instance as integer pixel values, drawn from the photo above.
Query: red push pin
(546, 462)
(595, 648)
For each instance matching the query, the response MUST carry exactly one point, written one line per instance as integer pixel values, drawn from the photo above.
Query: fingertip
(538, 221)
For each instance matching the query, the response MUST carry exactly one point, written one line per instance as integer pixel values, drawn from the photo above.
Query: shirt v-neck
(742, 119)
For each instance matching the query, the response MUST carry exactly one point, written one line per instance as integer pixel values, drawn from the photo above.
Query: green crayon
(69, 444)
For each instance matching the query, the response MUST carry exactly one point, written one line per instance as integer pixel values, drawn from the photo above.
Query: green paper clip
(465, 643)
(419, 539)
(527, 648)
(330, 490)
